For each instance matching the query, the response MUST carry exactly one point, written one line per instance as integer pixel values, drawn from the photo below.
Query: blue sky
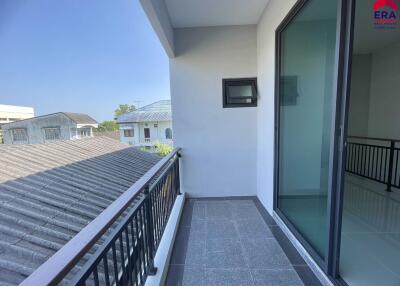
(79, 55)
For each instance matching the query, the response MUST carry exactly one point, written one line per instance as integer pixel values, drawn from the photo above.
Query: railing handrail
(57, 266)
(375, 138)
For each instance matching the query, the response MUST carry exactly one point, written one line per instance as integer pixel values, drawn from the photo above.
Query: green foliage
(108, 125)
(124, 108)
(162, 149)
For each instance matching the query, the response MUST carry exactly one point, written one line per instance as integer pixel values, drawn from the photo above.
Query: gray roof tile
(49, 192)
(157, 111)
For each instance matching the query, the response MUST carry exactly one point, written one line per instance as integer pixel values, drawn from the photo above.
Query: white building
(147, 125)
(11, 113)
(51, 127)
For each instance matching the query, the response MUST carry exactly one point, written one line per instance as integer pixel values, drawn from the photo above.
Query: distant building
(147, 125)
(51, 127)
(11, 113)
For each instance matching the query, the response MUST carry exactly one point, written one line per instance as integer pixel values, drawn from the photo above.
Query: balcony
(220, 241)
(233, 241)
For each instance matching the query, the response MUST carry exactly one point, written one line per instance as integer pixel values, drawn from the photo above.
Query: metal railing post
(390, 175)
(150, 231)
(178, 176)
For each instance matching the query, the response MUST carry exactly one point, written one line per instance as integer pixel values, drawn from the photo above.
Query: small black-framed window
(239, 92)
(128, 133)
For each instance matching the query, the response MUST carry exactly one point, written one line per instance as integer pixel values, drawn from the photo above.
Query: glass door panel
(306, 97)
(370, 236)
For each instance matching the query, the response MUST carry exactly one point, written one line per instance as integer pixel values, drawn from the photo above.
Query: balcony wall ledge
(164, 251)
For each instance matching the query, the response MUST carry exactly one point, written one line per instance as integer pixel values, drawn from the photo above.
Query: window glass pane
(19, 135)
(168, 133)
(52, 133)
(128, 133)
(240, 91)
(306, 83)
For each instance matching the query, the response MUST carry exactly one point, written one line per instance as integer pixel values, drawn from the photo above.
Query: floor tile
(276, 278)
(245, 212)
(228, 277)
(218, 210)
(199, 210)
(224, 253)
(220, 229)
(198, 226)
(307, 276)
(265, 215)
(265, 254)
(287, 247)
(187, 249)
(179, 275)
(186, 217)
(252, 228)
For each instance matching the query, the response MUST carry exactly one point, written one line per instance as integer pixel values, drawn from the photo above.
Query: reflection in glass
(306, 93)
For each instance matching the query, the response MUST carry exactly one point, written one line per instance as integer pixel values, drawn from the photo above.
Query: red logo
(386, 13)
(386, 3)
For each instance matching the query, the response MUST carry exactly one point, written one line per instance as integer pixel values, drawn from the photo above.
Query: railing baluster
(106, 274)
(389, 183)
(96, 276)
(138, 241)
(149, 234)
(128, 254)
(115, 262)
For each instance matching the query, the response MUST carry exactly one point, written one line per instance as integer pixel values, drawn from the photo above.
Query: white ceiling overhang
(167, 15)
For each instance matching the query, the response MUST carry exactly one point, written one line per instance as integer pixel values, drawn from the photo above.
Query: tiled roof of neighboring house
(157, 111)
(49, 192)
(80, 118)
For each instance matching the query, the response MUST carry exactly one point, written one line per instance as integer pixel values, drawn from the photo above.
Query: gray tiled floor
(228, 242)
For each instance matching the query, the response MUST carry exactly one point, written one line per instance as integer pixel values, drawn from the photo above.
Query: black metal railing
(377, 161)
(134, 230)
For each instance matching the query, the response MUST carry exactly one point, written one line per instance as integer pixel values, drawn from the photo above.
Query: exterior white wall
(156, 133)
(219, 145)
(273, 15)
(10, 113)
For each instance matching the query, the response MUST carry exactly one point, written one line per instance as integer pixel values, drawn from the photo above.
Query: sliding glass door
(370, 232)
(306, 49)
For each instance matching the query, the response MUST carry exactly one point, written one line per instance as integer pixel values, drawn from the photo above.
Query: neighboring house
(47, 128)
(147, 125)
(49, 192)
(11, 113)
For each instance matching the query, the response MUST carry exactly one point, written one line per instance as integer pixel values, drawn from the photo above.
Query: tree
(108, 125)
(124, 108)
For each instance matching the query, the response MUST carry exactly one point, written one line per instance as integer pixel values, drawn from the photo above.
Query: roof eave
(158, 16)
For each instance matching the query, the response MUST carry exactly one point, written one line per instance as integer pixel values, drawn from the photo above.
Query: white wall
(360, 95)
(384, 112)
(156, 133)
(374, 98)
(219, 144)
(273, 15)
